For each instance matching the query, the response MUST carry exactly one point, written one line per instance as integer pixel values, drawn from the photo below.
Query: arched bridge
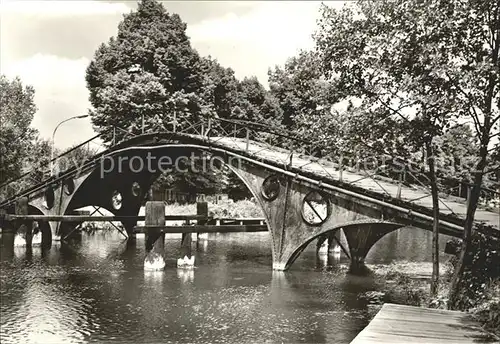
(302, 196)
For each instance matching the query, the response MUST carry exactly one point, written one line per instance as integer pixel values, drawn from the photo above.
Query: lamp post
(136, 69)
(53, 136)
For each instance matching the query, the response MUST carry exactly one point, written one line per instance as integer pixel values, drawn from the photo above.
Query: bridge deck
(407, 324)
(416, 195)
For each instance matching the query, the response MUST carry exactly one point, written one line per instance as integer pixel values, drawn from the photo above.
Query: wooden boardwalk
(407, 324)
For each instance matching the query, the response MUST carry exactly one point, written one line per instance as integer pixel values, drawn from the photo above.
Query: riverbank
(408, 283)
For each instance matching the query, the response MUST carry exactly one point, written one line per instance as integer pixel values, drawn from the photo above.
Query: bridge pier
(332, 241)
(296, 213)
(361, 238)
(24, 227)
(155, 241)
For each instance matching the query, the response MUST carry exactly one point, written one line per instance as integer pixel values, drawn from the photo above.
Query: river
(96, 291)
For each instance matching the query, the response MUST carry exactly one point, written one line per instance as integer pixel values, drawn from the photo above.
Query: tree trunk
(469, 223)
(484, 135)
(435, 224)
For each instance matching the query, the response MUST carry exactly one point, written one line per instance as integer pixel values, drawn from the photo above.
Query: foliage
(422, 65)
(482, 266)
(239, 209)
(17, 108)
(399, 287)
(235, 188)
(256, 104)
(300, 89)
(488, 312)
(220, 88)
(149, 69)
(305, 99)
(37, 162)
(454, 149)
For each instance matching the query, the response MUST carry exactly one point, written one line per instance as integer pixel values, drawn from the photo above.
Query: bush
(239, 209)
(488, 312)
(228, 208)
(482, 266)
(400, 287)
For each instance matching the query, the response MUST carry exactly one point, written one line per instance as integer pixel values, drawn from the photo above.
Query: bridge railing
(394, 170)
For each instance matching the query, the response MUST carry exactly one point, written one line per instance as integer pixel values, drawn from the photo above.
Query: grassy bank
(409, 284)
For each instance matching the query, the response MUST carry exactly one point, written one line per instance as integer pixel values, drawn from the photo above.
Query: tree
(301, 90)
(149, 69)
(376, 51)
(421, 65)
(17, 108)
(256, 104)
(457, 145)
(37, 162)
(220, 88)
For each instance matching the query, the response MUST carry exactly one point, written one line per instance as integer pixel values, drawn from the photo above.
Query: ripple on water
(98, 292)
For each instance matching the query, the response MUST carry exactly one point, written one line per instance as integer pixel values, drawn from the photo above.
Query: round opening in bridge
(49, 197)
(315, 208)
(69, 186)
(116, 200)
(271, 187)
(136, 189)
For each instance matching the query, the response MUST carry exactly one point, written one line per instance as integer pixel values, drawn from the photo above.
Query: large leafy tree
(301, 90)
(17, 108)
(420, 65)
(220, 88)
(149, 69)
(256, 104)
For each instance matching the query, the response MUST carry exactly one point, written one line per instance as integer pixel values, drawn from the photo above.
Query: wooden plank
(83, 218)
(202, 229)
(408, 324)
(240, 219)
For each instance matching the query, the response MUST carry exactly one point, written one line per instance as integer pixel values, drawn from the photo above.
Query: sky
(50, 43)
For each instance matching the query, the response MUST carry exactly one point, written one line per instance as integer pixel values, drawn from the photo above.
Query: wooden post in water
(201, 209)
(400, 184)
(186, 246)
(155, 240)
(25, 226)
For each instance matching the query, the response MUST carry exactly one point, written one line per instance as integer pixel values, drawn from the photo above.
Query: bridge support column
(155, 240)
(129, 228)
(288, 206)
(187, 259)
(25, 228)
(361, 239)
(44, 227)
(331, 239)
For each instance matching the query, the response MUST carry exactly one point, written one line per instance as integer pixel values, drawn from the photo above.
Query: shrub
(488, 311)
(482, 265)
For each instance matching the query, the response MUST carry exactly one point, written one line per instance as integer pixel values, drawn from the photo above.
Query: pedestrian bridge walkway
(417, 195)
(406, 324)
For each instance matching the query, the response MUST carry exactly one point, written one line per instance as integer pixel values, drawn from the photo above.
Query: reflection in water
(185, 275)
(97, 291)
(153, 278)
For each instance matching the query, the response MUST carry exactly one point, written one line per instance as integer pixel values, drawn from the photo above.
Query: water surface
(96, 291)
